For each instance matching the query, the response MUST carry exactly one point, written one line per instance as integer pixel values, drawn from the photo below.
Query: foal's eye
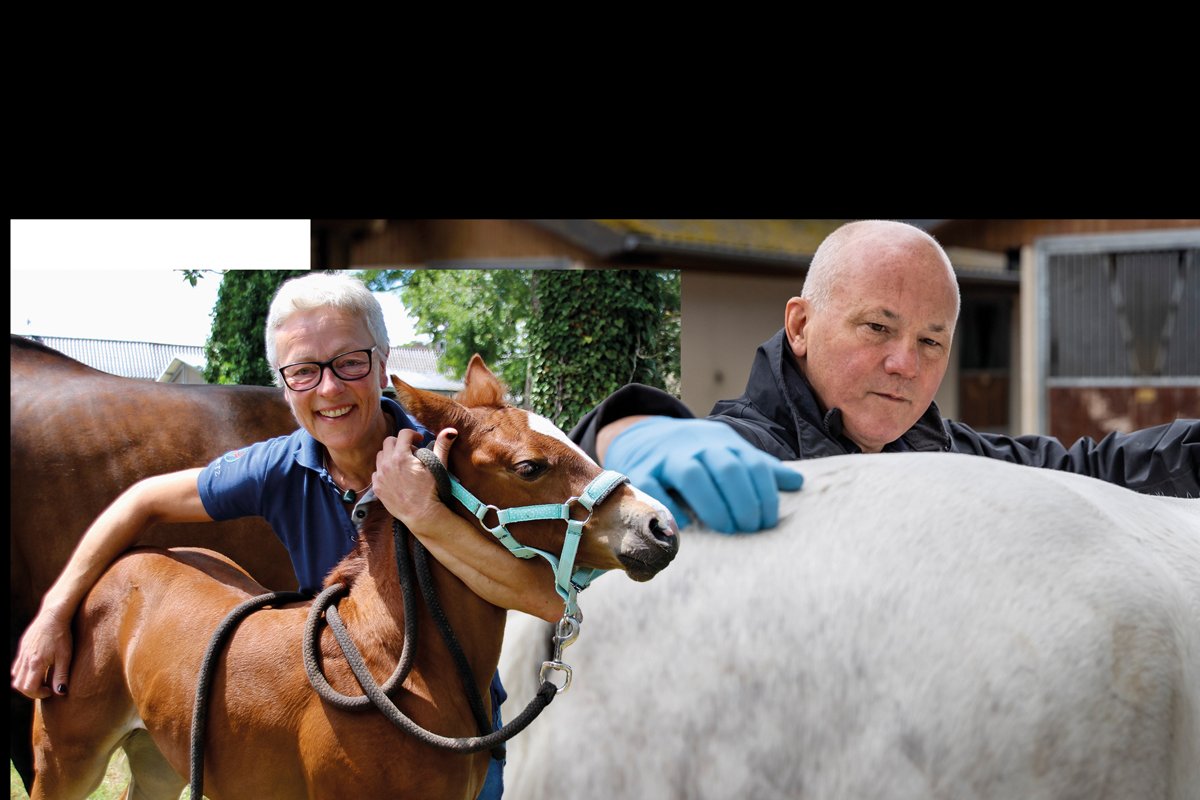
(529, 469)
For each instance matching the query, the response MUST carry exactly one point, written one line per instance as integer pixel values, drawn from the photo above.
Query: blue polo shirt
(284, 481)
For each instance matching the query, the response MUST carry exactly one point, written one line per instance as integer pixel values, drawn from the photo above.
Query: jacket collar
(788, 398)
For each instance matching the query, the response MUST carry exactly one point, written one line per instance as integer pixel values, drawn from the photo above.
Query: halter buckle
(566, 506)
(482, 511)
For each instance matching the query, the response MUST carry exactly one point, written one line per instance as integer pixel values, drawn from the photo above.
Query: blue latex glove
(731, 485)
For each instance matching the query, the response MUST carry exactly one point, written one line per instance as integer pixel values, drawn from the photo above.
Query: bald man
(855, 369)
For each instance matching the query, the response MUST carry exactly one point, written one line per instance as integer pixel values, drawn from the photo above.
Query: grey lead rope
(323, 606)
(404, 567)
(545, 694)
(471, 744)
(441, 477)
(215, 646)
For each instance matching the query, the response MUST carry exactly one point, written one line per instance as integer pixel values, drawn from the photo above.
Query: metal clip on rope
(565, 634)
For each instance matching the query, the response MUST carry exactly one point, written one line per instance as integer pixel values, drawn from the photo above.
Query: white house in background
(183, 369)
(416, 365)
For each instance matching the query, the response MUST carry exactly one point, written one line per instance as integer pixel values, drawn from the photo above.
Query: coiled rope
(323, 608)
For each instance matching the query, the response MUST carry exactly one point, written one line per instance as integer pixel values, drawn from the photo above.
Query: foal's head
(508, 458)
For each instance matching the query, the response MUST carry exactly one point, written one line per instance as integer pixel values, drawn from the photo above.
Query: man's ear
(795, 321)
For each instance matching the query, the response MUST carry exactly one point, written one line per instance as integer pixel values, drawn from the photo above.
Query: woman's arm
(46, 643)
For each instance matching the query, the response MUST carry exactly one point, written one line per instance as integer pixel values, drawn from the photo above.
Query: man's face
(878, 349)
(339, 414)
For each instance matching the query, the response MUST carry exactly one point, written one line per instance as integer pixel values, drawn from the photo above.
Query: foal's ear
(431, 409)
(480, 386)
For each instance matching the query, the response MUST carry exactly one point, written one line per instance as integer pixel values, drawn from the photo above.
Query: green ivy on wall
(593, 331)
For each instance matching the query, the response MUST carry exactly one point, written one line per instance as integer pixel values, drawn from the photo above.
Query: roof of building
(782, 243)
(145, 360)
(767, 245)
(416, 365)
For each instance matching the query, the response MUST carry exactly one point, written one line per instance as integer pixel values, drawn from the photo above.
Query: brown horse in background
(80, 437)
(143, 629)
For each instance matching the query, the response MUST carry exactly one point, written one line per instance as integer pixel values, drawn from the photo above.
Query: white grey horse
(917, 626)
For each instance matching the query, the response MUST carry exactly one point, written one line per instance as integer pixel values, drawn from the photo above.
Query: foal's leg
(151, 776)
(66, 767)
(75, 735)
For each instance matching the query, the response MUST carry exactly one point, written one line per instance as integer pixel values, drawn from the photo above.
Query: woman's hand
(45, 644)
(404, 484)
(408, 491)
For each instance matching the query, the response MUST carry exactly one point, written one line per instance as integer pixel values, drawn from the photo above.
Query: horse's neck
(374, 613)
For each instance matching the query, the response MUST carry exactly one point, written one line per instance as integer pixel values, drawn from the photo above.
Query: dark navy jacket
(779, 414)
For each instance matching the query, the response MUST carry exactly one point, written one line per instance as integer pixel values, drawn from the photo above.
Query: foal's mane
(377, 529)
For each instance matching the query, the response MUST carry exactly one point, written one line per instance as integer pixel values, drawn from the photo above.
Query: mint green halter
(567, 580)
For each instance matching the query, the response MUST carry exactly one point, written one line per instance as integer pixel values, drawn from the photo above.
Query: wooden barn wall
(1002, 235)
(1096, 411)
(417, 242)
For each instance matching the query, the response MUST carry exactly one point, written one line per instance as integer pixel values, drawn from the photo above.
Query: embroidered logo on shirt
(233, 455)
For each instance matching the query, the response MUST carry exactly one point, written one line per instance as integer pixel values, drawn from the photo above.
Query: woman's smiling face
(342, 415)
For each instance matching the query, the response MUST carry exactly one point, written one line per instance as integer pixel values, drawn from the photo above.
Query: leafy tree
(468, 312)
(560, 339)
(234, 352)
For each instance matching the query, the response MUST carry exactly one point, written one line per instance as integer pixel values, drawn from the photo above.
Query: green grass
(114, 780)
(110, 788)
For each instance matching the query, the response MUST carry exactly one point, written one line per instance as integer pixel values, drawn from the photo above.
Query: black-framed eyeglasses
(305, 375)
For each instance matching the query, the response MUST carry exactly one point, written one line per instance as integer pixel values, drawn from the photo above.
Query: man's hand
(706, 467)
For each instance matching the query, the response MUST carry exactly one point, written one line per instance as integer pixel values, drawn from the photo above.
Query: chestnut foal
(142, 632)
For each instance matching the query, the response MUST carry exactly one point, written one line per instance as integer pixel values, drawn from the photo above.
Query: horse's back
(79, 437)
(916, 626)
(184, 583)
